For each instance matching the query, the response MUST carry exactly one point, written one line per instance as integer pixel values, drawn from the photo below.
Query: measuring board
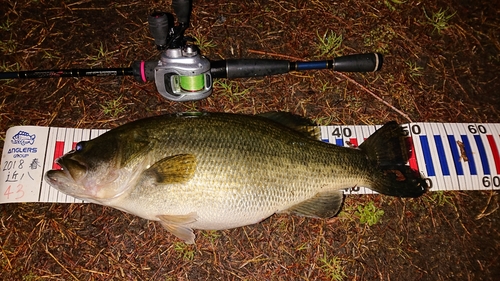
(453, 156)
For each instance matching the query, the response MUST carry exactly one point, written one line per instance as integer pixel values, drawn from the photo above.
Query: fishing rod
(144, 71)
(183, 74)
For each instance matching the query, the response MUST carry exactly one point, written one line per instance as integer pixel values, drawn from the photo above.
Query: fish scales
(219, 171)
(245, 170)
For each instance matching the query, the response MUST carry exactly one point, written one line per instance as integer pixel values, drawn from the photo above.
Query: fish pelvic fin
(322, 205)
(173, 169)
(389, 151)
(176, 224)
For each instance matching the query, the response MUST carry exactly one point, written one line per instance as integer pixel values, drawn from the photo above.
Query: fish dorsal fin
(298, 123)
(176, 224)
(322, 205)
(173, 169)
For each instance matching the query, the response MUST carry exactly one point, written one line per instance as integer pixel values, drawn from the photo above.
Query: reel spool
(183, 74)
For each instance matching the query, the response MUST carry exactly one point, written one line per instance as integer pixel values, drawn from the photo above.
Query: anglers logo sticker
(23, 138)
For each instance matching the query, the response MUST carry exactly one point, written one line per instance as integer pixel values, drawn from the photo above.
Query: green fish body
(219, 171)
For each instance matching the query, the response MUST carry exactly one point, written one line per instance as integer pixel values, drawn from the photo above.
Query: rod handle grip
(359, 63)
(242, 68)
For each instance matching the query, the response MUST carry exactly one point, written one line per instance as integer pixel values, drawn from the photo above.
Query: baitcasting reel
(181, 74)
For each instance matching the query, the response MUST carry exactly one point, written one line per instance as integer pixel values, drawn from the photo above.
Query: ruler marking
(359, 135)
(366, 131)
(470, 157)
(339, 142)
(456, 155)
(464, 151)
(451, 135)
(324, 134)
(468, 152)
(49, 160)
(44, 164)
(493, 181)
(429, 163)
(354, 142)
(494, 152)
(412, 160)
(52, 193)
(57, 138)
(482, 154)
(416, 130)
(58, 152)
(468, 160)
(68, 146)
(70, 140)
(474, 147)
(77, 137)
(496, 140)
(439, 180)
(442, 155)
(329, 130)
(451, 181)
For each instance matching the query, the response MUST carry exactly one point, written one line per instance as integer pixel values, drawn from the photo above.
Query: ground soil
(436, 68)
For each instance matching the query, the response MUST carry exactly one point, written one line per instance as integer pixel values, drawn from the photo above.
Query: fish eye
(79, 146)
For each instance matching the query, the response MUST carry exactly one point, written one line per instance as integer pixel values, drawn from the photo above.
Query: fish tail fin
(389, 150)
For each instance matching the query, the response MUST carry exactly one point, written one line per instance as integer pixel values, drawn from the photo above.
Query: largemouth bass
(217, 171)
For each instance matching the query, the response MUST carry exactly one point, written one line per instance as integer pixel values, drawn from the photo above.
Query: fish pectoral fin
(176, 225)
(173, 169)
(322, 205)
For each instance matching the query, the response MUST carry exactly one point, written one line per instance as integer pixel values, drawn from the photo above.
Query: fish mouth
(69, 178)
(56, 178)
(71, 168)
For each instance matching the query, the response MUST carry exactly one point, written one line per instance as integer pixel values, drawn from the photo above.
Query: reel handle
(182, 9)
(159, 28)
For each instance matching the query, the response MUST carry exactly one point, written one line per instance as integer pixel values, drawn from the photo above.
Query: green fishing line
(192, 83)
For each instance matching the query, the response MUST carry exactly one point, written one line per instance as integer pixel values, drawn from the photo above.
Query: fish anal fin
(322, 205)
(173, 169)
(176, 224)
